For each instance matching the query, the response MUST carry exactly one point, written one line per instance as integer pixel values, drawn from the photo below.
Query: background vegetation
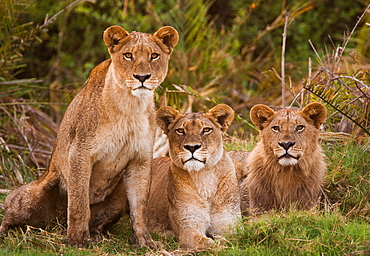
(230, 52)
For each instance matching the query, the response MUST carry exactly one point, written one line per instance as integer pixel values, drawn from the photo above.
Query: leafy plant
(347, 92)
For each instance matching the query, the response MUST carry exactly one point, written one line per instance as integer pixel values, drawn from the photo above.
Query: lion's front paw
(196, 242)
(82, 240)
(145, 240)
(205, 243)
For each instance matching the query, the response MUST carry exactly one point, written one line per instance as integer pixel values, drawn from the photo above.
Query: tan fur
(279, 181)
(240, 162)
(103, 152)
(194, 199)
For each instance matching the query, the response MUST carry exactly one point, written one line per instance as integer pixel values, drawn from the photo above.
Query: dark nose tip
(192, 148)
(287, 144)
(142, 78)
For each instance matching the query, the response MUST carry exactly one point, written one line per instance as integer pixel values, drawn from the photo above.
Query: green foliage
(325, 26)
(346, 94)
(13, 170)
(348, 91)
(15, 39)
(348, 179)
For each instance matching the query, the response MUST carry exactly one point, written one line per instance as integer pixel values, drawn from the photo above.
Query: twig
(309, 81)
(21, 82)
(5, 191)
(339, 110)
(353, 30)
(31, 103)
(283, 60)
(46, 152)
(49, 21)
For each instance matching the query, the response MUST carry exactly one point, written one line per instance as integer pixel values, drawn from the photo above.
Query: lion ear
(260, 114)
(316, 112)
(223, 114)
(113, 36)
(169, 36)
(165, 117)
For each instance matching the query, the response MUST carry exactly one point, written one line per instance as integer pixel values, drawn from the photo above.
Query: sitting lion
(103, 152)
(194, 193)
(287, 167)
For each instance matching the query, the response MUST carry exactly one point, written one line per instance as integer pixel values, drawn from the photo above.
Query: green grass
(348, 178)
(341, 228)
(294, 233)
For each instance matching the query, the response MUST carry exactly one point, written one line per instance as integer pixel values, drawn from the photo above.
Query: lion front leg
(137, 183)
(225, 209)
(189, 217)
(78, 211)
(190, 225)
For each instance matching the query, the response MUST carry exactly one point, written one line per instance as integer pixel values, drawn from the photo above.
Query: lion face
(195, 139)
(140, 60)
(289, 133)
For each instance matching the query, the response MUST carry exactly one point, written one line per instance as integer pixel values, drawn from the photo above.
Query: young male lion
(103, 151)
(287, 167)
(194, 192)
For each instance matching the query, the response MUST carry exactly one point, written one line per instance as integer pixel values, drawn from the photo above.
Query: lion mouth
(142, 87)
(287, 155)
(193, 158)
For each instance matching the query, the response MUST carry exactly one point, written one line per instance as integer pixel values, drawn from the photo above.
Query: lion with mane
(287, 167)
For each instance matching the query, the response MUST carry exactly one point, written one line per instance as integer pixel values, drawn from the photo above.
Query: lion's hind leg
(33, 204)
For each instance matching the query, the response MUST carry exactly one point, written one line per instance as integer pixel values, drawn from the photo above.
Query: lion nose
(142, 78)
(192, 148)
(286, 144)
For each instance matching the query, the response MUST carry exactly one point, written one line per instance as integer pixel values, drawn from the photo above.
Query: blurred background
(229, 52)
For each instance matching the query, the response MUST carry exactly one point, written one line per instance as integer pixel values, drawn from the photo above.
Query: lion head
(140, 60)
(195, 138)
(289, 134)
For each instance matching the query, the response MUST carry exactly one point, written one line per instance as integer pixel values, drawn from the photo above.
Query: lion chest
(205, 182)
(117, 144)
(282, 187)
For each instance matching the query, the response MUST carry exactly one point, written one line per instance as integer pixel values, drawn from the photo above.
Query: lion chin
(194, 165)
(142, 92)
(286, 161)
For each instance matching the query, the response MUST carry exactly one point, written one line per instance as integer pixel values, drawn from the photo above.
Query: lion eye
(300, 128)
(154, 56)
(276, 128)
(207, 130)
(127, 55)
(180, 131)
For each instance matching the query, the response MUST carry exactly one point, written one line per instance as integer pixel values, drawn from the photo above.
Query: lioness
(103, 151)
(287, 167)
(194, 192)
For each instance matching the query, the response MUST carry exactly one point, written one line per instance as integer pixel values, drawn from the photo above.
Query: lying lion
(103, 152)
(287, 167)
(194, 192)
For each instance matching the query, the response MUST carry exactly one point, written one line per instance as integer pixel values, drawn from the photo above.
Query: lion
(194, 193)
(103, 152)
(287, 167)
